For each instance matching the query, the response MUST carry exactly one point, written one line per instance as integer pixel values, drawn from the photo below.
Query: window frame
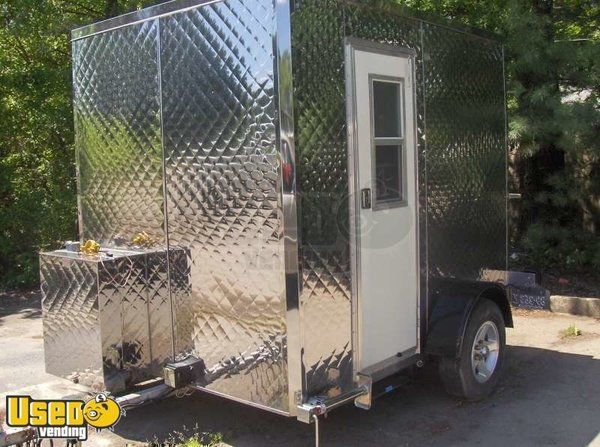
(400, 141)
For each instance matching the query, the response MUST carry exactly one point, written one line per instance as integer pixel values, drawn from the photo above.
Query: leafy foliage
(553, 67)
(571, 332)
(37, 172)
(555, 130)
(189, 437)
(553, 54)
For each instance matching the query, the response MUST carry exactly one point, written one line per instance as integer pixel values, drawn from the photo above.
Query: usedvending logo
(63, 418)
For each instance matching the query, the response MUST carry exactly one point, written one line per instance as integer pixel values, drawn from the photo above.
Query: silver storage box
(107, 317)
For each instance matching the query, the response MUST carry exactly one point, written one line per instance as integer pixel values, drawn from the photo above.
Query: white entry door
(383, 157)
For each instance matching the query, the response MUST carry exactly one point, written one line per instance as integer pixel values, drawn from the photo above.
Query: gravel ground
(549, 396)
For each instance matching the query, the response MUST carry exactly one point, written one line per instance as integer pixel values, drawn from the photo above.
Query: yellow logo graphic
(63, 418)
(102, 412)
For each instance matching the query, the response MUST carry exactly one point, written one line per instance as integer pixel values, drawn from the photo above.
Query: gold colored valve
(143, 239)
(90, 247)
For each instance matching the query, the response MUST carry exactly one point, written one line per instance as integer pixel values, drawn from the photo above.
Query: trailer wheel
(476, 372)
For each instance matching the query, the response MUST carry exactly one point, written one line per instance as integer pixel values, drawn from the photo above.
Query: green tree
(555, 124)
(37, 173)
(553, 57)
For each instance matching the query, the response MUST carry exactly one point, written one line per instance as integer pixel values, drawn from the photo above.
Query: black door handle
(365, 198)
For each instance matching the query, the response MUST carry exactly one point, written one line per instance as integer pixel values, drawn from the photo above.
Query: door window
(388, 148)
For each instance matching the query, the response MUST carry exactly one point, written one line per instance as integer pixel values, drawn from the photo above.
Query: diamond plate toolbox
(99, 315)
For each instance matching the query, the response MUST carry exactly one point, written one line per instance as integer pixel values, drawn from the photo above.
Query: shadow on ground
(28, 305)
(546, 398)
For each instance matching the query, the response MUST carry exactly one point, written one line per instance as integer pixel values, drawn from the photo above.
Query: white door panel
(386, 227)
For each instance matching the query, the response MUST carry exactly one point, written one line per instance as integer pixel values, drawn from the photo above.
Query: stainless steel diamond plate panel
(120, 179)
(158, 283)
(70, 313)
(320, 112)
(106, 322)
(466, 153)
(326, 311)
(122, 285)
(222, 175)
(82, 324)
(320, 27)
(117, 121)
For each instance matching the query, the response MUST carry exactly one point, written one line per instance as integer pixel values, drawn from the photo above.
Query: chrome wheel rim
(485, 351)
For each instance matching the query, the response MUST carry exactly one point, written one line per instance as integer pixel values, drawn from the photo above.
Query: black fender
(452, 302)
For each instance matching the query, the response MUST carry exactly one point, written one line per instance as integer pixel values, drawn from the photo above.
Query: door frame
(351, 45)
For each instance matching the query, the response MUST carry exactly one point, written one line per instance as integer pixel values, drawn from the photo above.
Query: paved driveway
(21, 344)
(550, 396)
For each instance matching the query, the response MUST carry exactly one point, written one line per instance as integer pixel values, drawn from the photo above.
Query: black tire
(457, 373)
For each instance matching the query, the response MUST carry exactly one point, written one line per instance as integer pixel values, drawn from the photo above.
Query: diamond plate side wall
(117, 122)
(320, 123)
(466, 153)
(120, 173)
(223, 189)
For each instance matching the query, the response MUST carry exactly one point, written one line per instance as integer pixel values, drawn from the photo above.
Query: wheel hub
(485, 351)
